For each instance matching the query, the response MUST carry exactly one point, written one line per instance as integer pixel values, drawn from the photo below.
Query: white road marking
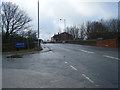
(87, 78)
(73, 67)
(111, 57)
(86, 51)
(97, 85)
(66, 62)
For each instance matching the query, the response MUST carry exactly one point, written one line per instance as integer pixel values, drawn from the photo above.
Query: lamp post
(39, 45)
(64, 23)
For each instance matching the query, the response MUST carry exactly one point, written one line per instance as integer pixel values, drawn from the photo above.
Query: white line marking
(111, 57)
(86, 51)
(66, 62)
(73, 67)
(88, 78)
(97, 85)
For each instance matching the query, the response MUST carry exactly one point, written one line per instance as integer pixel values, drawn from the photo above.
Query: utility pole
(39, 45)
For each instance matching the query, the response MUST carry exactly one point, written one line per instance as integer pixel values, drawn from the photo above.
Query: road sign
(20, 44)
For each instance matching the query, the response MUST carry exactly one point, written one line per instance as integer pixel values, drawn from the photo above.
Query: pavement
(63, 66)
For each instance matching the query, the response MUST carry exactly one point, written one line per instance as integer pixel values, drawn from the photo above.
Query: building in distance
(62, 37)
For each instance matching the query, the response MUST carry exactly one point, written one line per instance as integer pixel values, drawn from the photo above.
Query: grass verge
(23, 51)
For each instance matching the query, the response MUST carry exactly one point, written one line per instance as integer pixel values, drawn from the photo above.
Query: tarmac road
(63, 66)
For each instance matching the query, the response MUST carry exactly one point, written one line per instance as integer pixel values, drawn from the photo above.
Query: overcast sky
(74, 12)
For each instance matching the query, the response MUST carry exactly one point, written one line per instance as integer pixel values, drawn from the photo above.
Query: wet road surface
(63, 66)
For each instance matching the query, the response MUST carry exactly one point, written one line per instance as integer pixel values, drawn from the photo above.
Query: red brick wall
(107, 43)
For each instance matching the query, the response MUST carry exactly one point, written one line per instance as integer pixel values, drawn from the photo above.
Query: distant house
(62, 37)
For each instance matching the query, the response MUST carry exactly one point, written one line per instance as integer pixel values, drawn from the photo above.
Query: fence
(100, 43)
(107, 43)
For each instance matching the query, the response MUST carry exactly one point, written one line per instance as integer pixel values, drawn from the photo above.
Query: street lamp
(64, 23)
(39, 45)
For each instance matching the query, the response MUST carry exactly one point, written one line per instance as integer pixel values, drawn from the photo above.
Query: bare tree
(112, 25)
(74, 31)
(13, 19)
(83, 31)
(96, 30)
(104, 29)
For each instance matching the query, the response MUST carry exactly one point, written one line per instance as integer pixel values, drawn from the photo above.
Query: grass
(22, 51)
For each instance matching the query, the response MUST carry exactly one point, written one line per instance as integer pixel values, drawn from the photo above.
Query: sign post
(20, 45)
